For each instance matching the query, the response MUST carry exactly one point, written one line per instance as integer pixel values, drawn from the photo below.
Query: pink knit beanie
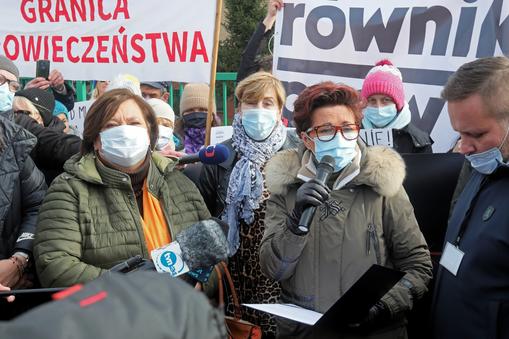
(385, 79)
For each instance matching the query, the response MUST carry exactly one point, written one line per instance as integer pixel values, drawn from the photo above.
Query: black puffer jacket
(22, 189)
(214, 179)
(411, 139)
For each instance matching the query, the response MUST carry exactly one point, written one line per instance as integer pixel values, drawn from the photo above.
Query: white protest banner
(77, 116)
(220, 134)
(377, 137)
(98, 39)
(319, 40)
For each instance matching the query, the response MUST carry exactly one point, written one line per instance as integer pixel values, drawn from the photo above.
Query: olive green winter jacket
(90, 220)
(367, 220)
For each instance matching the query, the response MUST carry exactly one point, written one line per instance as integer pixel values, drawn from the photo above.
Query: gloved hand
(379, 315)
(311, 193)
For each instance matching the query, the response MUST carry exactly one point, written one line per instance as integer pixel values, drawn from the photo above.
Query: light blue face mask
(380, 116)
(343, 151)
(6, 97)
(488, 161)
(259, 123)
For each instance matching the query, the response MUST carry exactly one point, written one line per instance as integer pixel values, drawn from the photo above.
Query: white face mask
(124, 145)
(165, 137)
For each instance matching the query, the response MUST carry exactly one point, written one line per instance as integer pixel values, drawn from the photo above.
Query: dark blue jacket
(475, 303)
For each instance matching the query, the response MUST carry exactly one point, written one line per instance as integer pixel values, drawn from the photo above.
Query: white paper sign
(77, 116)
(219, 134)
(428, 40)
(376, 136)
(289, 311)
(98, 39)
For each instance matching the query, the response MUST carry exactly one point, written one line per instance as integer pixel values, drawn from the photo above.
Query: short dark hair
(323, 95)
(105, 107)
(488, 77)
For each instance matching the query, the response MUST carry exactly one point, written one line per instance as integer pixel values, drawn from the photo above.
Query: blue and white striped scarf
(245, 187)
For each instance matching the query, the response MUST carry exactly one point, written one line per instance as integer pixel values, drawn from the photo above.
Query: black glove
(379, 316)
(311, 193)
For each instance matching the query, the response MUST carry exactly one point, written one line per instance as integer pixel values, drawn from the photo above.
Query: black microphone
(323, 172)
(210, 155)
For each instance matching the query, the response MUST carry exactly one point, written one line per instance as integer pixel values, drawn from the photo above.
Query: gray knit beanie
(9, 66)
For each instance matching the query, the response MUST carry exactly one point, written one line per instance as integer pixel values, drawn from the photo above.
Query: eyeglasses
(13, 84)
(327, 132)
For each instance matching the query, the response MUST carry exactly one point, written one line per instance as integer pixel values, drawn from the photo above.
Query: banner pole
(213, 70)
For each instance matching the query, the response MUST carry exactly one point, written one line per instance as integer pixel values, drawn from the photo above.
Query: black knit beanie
(43, 100)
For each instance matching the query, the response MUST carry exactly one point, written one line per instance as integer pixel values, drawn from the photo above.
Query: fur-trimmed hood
(381, 168)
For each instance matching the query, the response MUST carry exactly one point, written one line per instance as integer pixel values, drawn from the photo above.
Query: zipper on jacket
(372, 238)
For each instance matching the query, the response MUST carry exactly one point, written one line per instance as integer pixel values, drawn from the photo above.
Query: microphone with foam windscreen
(323, 172)
(210, 155)
(202, 245)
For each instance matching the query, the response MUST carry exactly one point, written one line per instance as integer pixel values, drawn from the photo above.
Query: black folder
(354, 305)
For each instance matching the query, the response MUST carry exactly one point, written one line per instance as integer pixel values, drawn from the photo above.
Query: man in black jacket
(472, 285)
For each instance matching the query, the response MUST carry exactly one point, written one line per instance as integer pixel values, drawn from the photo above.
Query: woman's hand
(272, 7)
(5, 288)
(311, 193)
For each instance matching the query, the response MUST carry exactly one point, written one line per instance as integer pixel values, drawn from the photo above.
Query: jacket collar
(291, 141)
(88, 169)
(380, 168)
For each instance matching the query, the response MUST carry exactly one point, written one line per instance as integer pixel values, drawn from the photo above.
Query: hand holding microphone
(309, 196)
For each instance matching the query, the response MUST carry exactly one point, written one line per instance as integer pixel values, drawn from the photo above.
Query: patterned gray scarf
(246, 180)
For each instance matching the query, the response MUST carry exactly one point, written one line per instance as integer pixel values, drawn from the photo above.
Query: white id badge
(451, 258)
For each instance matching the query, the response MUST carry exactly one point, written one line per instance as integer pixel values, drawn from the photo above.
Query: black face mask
(195, 120)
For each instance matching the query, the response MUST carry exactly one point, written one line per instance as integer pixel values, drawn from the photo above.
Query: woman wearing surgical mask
(117, 199)
(167, 141)
(383, 91)
(235, 189)
(363, 217)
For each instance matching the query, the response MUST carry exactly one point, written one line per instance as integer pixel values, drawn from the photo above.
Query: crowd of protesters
(73, 207)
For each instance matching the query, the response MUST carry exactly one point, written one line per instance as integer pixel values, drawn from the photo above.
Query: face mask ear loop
(505, 137)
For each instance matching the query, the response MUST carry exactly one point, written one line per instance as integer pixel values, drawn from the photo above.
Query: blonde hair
(22, 103)
(253, 88)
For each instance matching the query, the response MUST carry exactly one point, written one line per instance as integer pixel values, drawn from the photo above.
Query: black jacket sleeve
(248, 65)
(33, 190)
(53, 148)
(68, 98)
(207, 185)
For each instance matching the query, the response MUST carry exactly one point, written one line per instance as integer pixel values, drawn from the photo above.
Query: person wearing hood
(363, 217)
(386, 108)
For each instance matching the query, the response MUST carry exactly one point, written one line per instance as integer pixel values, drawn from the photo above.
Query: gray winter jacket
(367, 220)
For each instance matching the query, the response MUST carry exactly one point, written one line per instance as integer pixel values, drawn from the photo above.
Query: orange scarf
(155, 228)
